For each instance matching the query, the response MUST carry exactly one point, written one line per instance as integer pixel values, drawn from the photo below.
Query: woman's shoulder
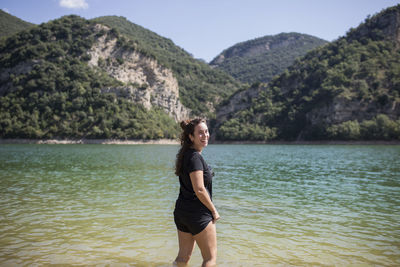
(193, 161)
(192, 154)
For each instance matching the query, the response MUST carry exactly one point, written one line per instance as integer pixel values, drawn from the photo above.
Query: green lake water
(280, 205)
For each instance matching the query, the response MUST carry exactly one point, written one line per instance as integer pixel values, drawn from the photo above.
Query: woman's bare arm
(201, 192)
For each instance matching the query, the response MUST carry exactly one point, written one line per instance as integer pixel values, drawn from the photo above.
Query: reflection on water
(280, 205)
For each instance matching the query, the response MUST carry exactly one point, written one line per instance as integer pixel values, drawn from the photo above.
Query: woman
(195, 214)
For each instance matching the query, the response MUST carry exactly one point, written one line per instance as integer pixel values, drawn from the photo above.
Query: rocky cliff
(201, 87)
(241, 100)
(145, 81)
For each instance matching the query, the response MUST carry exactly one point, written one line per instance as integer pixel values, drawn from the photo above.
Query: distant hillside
(10, 24)
(104, 78)
(200, 87)
(346, 90)
(259, 60)
(72, 78)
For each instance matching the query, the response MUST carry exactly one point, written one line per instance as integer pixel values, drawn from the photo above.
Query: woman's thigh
(207, 241)
(186, 245)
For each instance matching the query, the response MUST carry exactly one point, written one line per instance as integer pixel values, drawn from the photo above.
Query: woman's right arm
(201, 192)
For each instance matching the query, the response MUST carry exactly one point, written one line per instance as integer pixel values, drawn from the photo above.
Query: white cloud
(6, 10)
(74, 4)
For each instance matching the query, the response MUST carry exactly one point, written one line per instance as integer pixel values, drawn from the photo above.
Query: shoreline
(176, 142)
(336, 142)
(91, 141)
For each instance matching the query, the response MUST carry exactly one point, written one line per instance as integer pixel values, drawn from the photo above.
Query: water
(282, 205)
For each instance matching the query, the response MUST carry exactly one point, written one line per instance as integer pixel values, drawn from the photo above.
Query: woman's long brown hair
(188, 127)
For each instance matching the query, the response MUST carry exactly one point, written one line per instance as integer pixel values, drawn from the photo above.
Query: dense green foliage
(10, 24)
(362, 72)
(199, 84)
(261, 59)
(346, 90)
(58, 95)
(378, 128)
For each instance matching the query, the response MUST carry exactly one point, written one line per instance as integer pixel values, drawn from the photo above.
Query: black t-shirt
(193, 161)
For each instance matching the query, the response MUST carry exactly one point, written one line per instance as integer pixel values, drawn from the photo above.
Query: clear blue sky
(205, 28)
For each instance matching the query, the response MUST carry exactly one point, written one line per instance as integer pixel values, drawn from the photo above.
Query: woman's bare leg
(207, 242)
(186, 246)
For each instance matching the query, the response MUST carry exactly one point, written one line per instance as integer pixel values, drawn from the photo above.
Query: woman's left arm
(201, 192)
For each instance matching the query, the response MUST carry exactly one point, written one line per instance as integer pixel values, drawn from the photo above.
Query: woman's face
(200, 136)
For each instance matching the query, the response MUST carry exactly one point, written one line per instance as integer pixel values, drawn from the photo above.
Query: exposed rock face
(241, 100)
(146, 82)
(341, 110)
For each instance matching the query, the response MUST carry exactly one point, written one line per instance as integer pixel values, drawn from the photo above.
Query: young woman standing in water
(195, 214)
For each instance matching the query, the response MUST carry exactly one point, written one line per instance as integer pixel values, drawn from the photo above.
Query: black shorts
(192, 222)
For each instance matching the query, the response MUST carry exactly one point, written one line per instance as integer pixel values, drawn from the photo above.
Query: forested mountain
(10, 24)
(74, 78)
(346, 90)
(259, 60)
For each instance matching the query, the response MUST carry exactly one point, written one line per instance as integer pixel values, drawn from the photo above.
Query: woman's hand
(216, 216)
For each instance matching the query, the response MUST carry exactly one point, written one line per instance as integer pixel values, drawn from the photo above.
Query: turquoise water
(284, 205)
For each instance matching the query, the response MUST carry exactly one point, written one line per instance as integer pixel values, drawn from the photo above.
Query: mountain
(75, 78)
(201, 88)
(346, 90)
(10, 24)
(259, 60)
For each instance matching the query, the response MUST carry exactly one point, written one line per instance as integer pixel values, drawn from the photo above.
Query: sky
(205, 28)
